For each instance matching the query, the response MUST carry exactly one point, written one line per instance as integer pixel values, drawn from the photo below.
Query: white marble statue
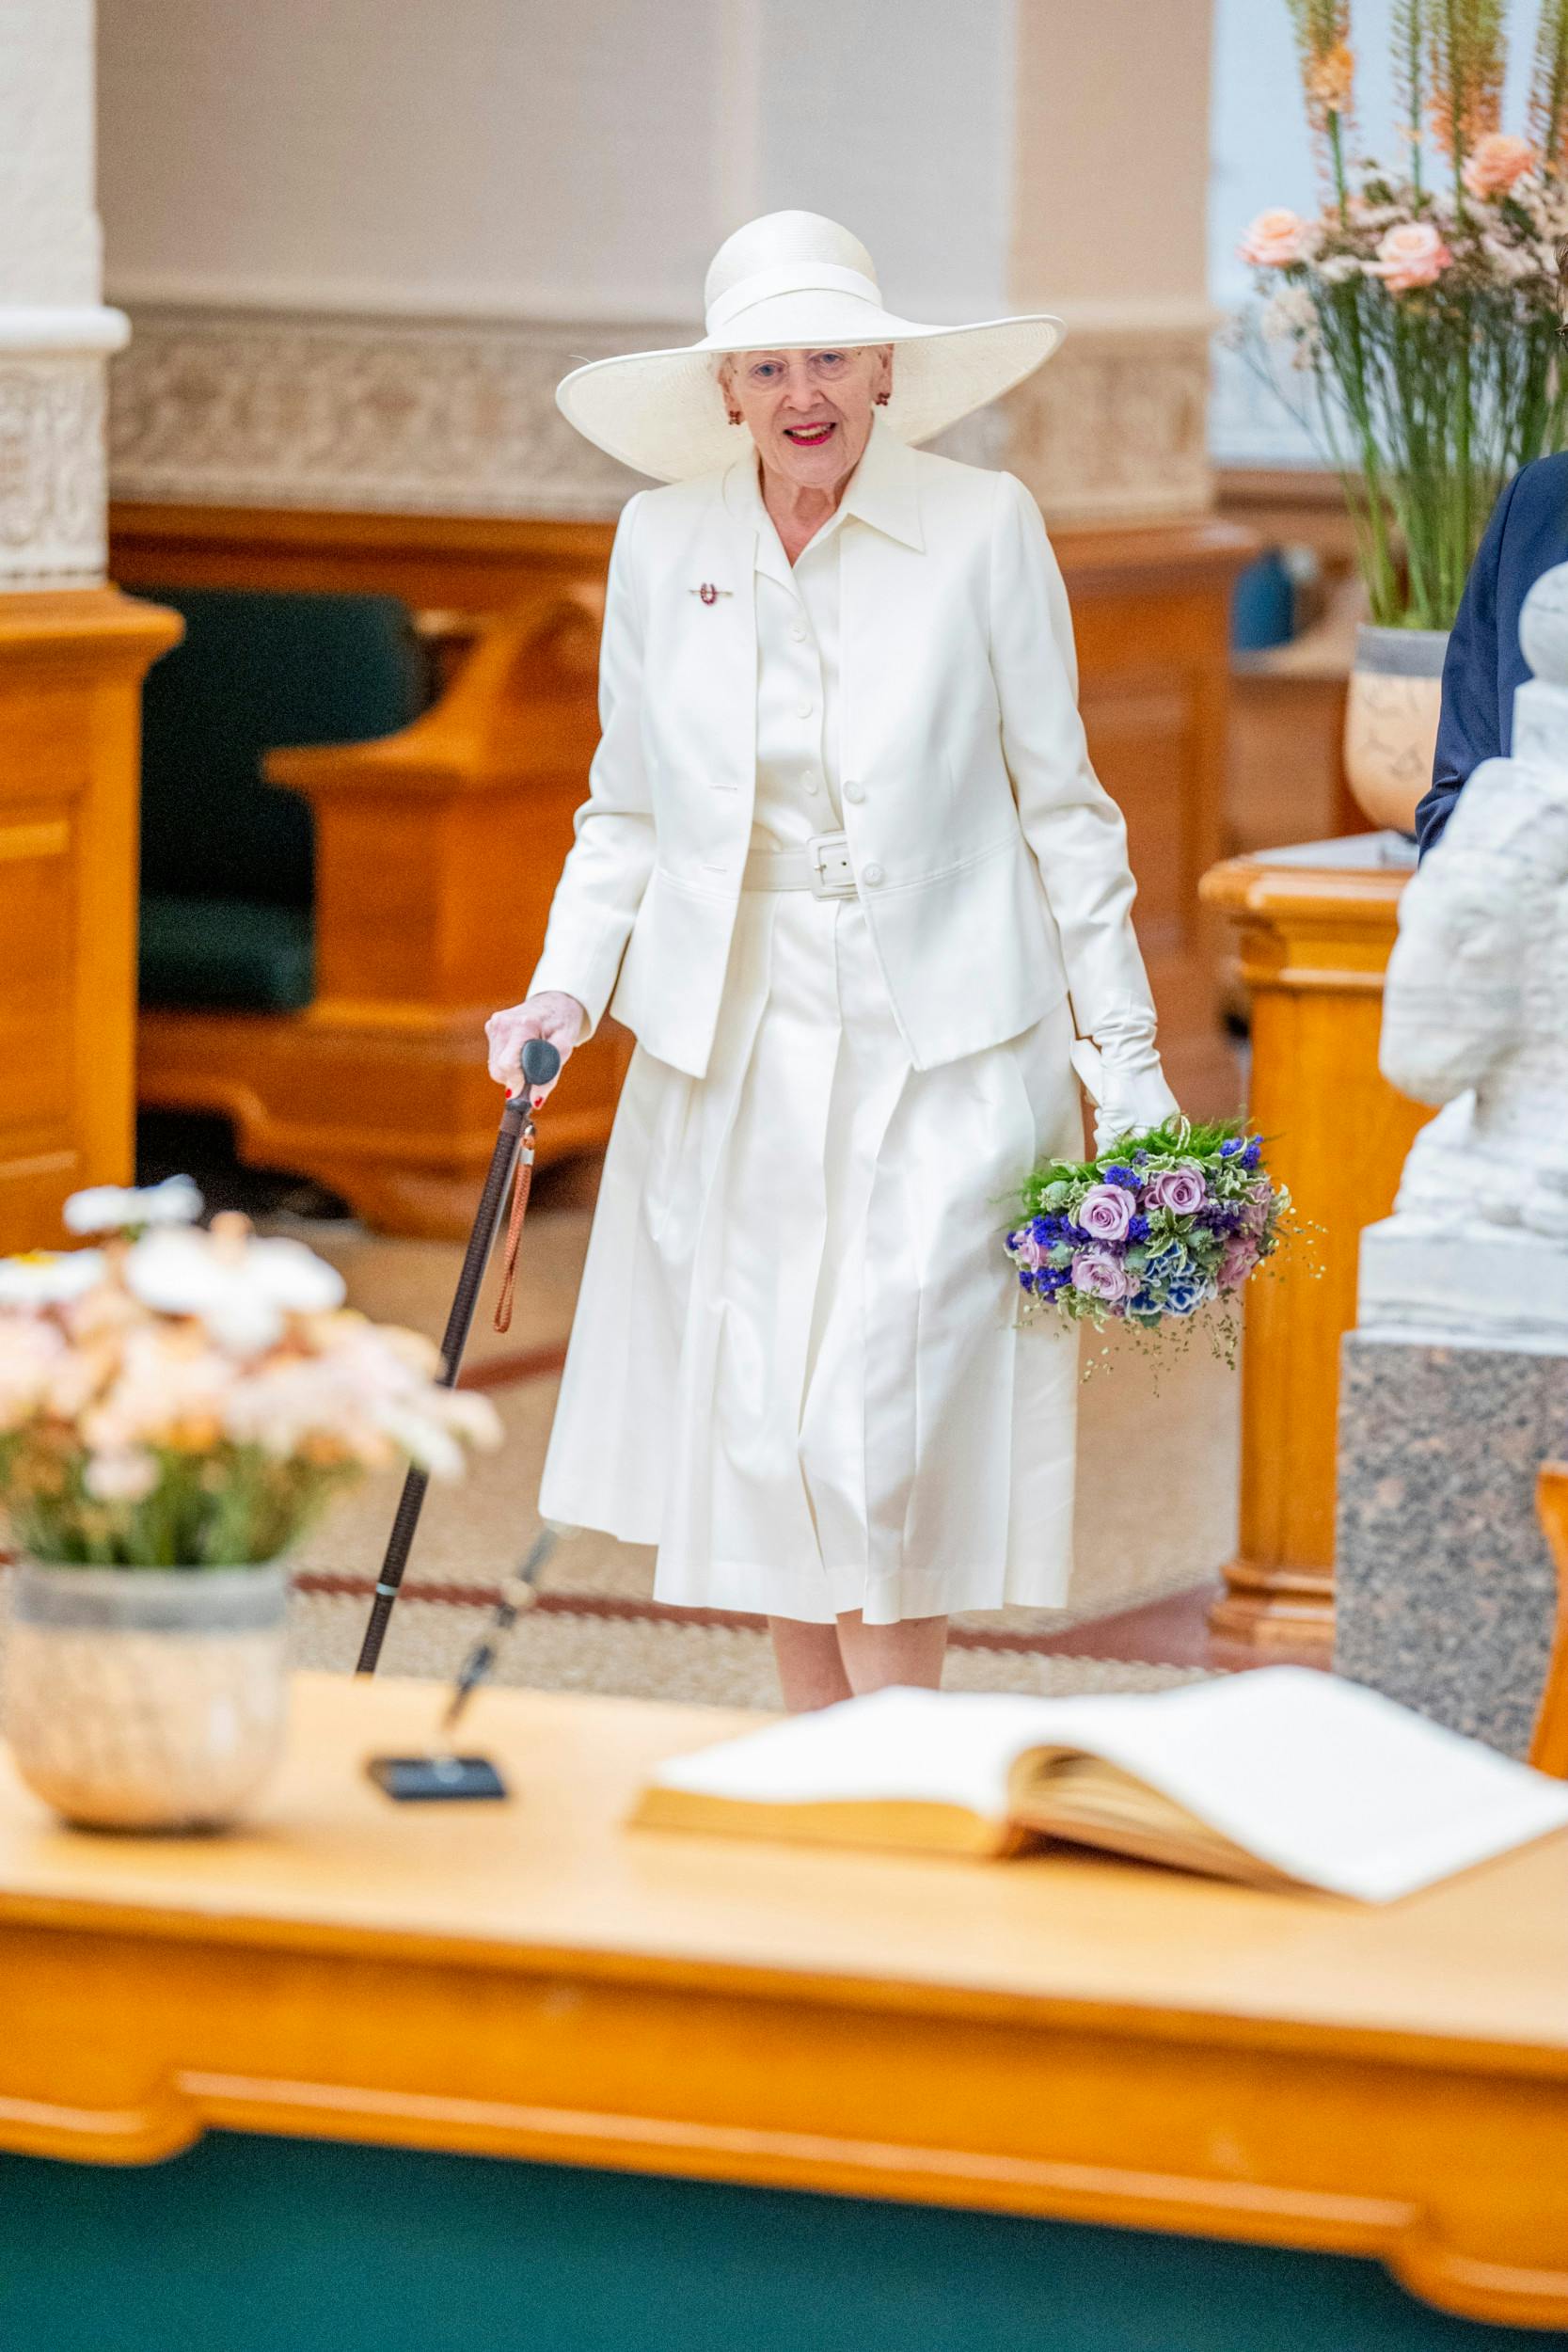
(1476, 1019)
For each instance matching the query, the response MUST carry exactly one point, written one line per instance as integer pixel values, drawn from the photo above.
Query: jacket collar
(883, 490)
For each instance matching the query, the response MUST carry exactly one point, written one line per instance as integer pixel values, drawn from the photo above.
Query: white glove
(552, 1015)
(1127, 1087)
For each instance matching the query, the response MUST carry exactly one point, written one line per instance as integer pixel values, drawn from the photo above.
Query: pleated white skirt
(793, 1366)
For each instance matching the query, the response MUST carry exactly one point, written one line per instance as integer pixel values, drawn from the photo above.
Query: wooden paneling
(1314, 943)
(1064, 2036)
(443, 562)
(71, 670)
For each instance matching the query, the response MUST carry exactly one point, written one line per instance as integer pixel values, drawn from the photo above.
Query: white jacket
(991, 864)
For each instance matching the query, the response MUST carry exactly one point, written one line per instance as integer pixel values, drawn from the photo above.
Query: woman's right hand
(552, 1015)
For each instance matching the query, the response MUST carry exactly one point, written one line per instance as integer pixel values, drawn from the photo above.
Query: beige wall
(543, 159)
(1111, 152)
(361, 240)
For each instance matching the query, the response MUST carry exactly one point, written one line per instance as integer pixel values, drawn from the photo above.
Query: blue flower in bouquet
(1138, 1229)
(1253, 1153)
(1234, 1148)
(1182, 1298)
(1126, 1177)
(1026, 1281)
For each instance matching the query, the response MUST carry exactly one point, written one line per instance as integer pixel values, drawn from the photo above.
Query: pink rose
(1179, 1189)
(1100, 1276)
(1241, 1256)
(1411, 255)
(1028, 1252)
(1498, 160)
(1275, 240)
(1105, 1210)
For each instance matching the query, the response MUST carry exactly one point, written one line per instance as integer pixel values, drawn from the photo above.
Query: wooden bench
(437, 849)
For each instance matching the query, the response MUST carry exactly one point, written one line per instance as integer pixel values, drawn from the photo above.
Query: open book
(1279, 1777)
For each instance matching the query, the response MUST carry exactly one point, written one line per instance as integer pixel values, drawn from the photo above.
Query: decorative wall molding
(1117, 427)
(52, 470)
(239, 408)
(248, 408)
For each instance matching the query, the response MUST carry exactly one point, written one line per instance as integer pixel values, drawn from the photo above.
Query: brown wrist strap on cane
(521, 1181)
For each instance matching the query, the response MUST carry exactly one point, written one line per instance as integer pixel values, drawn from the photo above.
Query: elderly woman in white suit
(846, 871)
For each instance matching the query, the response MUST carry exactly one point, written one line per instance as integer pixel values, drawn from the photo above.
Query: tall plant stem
(1336, 155)
(1465, 485)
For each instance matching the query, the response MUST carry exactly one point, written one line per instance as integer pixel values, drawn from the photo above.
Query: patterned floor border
(621, 1610)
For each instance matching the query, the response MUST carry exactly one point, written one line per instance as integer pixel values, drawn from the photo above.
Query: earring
(883, 399)
(734, 415)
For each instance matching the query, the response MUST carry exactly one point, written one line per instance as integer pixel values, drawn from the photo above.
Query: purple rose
(1098, 1275)
(1182, 1189)
(1105, 1212)
(1027, 1251)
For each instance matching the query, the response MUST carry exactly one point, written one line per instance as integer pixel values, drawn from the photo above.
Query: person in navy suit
(1527, 536)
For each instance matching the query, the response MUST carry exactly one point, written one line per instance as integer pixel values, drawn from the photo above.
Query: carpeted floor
(1157, 1485)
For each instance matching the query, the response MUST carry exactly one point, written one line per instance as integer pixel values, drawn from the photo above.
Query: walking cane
(514, 1150)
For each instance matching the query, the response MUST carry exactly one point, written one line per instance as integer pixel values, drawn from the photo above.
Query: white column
(55, 332)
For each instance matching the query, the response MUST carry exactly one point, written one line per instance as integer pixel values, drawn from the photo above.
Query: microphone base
(436, 1779)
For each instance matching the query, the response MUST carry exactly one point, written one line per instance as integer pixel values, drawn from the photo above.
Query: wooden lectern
(1316, 926)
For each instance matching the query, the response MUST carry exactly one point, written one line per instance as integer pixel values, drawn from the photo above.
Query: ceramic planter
(1396, 690)
(146, 1698)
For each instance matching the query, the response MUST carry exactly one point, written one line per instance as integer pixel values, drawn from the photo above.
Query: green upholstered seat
(235, 954)
(227, 858)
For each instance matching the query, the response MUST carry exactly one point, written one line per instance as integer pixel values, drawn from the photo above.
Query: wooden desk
(1316, 926)
(1065, 2037)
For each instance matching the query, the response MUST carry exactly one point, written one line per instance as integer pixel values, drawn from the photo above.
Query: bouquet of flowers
(185, 1398)
(1151, 1232)
(1421, 304)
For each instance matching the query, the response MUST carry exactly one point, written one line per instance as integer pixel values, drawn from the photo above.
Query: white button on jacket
(1002, 862)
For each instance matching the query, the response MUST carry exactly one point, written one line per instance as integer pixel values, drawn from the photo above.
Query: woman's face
(809, 412)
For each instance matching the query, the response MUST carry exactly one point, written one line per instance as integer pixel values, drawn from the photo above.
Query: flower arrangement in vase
(177, 1405)
(1419, 310)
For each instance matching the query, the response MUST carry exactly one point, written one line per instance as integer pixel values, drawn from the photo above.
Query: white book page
(1328, 1781)
(918, 1746)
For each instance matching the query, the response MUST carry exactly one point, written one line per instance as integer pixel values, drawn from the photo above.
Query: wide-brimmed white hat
(792, 281)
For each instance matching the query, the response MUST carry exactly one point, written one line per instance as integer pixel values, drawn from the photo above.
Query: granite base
(1444, 1593)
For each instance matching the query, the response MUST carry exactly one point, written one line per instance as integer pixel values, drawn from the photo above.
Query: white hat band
(790, 277)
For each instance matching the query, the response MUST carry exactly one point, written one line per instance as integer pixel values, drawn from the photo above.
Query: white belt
(822, 867)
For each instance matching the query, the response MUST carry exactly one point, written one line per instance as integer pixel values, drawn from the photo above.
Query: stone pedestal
(1498, 1288)
(1445, 1592)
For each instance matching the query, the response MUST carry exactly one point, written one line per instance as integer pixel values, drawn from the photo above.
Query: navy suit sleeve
(1471, 727)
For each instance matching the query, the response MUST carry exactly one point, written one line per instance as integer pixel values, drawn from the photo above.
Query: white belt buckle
(831, 874)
